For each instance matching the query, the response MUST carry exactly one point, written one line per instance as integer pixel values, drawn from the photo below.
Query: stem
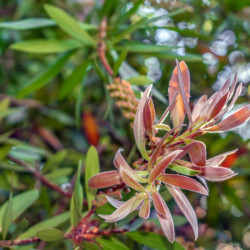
(9, 243)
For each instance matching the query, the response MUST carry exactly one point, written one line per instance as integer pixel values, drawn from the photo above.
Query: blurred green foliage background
(53, 119)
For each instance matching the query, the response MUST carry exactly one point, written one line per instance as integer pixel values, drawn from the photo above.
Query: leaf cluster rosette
(171, 150)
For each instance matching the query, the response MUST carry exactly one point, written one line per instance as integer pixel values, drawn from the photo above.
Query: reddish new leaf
(130, 181)
(115, 203)
(183, 182)
(221, 178)
(198, 107)
(231, 121)
(218, 106)
(149, 117)
(145, 209)
(164, 216)
(178, 109)
(105, 179)
(197, 152)
(162, 165)
(139, 129)
(213, 172)
(185, 207)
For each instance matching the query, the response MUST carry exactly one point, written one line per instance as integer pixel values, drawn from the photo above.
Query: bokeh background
(212, 36)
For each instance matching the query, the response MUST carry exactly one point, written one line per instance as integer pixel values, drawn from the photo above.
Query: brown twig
(9, 243)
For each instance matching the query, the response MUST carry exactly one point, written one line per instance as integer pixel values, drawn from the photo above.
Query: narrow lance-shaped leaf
(43, 78)
(128, 179)
(115, 203)
(198, 107)
(7, 216)
(231, 121)
(139, 129)
(162, 165)
(185, 207)
(91, 168)
(183, 182)
(105, 179)
(164, 216)
(120, 161)
(149, 117)
(69, 25)
(197, 152)
(121, 212)
(178, 109)
(145, 209)
(184, 94)
(50, 234)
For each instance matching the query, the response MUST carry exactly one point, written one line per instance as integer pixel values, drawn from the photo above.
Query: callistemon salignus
(159, 154)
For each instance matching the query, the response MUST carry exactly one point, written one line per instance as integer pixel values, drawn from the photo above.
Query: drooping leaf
(185, 207)
(139, 129)
(92, 167)
(164, 216)
(69, 25)
(178, 110)
(162, 165)
(76, 202)
(183, 182)
(20, 203)
(115, 203)
(153, 240)
(50, 234)
(48, 223)
(43, 78)
(105, 179)
(46, 46)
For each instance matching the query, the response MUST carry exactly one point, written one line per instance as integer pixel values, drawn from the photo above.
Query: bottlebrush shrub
(169, 152)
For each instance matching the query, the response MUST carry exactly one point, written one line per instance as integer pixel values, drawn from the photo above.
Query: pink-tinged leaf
(231, 121)
(210, 102)
(218, 159)
(149, 117)
(185, 99)
(120, 161)
(162, 165)
(130, 181)
(198, 107)
(183, 182)
(218, 106)
(197, 152)
(178, 109)
(225, 88)
(233, 86)
(145, 209)
(139, 129)
(170, 106)
(164, 216)
(213, 172)
(221, 178)
(185, 207)
(105, 179)
(115, 203)
(203, 181)
(159, 147)
(121, 212)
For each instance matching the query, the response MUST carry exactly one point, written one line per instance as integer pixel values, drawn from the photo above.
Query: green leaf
(50, 234)
(69, 25)
(43, 78)
(172, 56)
(55, 160)
(92, 168)
(179, 220)
(76, 202)
(138, 47)
(20, 203)
(154, 241)
(183, 170)
(78, 106)
(120, 60)
(140, 80)
(28, 24)
(73, 79)
(49, 223)
(20, 227)
(6, 135)
(108, 244)
(46, 46)
(57, 173)
(128, 31)
(7, 216)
